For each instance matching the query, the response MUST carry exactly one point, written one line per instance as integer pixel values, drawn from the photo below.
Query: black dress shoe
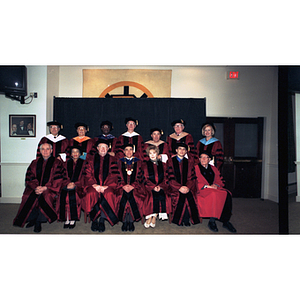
(30, 224)
(187, 223)
(213, 226)
(124, 226)
(131, 226)
(37, 227)
(229, 227)
(66, 225)
(101, 227)
(71, 226)
(95, 226)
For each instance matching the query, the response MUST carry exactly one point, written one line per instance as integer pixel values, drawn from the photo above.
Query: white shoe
(163, 216)
(152, 225)
(146, 225)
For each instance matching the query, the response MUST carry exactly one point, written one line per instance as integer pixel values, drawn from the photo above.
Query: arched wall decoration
(125, 84)
(95, 81)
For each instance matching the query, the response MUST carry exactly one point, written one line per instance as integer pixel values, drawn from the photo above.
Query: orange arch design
(126, 83)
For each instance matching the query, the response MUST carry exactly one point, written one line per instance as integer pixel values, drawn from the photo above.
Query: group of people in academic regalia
(124, 179)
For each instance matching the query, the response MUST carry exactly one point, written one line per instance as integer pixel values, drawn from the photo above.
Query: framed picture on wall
(22, 125)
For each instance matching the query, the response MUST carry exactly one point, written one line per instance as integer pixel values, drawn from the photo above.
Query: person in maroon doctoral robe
(72, 193)
(180, 136)
(44, 178)
(106, 127)
(130, 190)
(214, 201)
(81, 140)
(157, 202)
(163, 147)
(59, 142)
(211, 145)
(101, 174)
(130, 137)
(182, 181)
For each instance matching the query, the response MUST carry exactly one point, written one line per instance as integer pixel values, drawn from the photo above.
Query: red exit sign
(232, 75)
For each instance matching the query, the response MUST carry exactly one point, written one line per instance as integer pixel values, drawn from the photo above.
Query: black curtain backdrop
(150, 112)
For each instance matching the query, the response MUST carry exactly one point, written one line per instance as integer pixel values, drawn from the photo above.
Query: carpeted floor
(294, 215)
(250, 216)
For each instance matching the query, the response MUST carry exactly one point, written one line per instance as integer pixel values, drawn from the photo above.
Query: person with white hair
(44, 179)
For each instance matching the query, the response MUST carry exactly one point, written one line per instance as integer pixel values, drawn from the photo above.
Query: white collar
(53, 139)
(130, 134)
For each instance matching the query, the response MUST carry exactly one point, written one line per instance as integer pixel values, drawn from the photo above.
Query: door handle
(228, 159)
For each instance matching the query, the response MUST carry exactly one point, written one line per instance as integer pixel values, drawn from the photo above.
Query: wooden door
(242, 140)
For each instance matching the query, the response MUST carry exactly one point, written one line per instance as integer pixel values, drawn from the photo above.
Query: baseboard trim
(12, 200)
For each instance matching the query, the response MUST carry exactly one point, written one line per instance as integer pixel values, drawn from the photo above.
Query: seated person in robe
(72, 193)
(180, 136)
(157, 202)
(214, 201)
(59, 142)
(182, 181)
(44, 179)
(130, 137)
(130, 191)
(106, 127)
(81, 140)
(156, 134)
(101, 175)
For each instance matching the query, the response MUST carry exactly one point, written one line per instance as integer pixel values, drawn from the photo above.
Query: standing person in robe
(180, 136)
(157, 202)
(106, 127)
(163, 147)
(214, 201)
(82, 141)
(211, 145)
(130, 137)
(130, 191)
(44, 178)
(182, 180)
(72, 193)
(59, 142)
(101, 175)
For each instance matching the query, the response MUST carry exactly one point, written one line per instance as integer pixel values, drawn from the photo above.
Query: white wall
(17, 153)
(253, 95)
